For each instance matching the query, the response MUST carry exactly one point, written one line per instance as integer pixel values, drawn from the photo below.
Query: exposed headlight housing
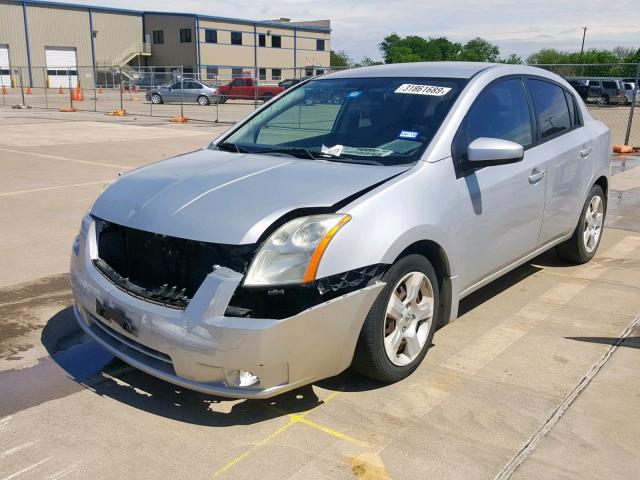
(292, 253)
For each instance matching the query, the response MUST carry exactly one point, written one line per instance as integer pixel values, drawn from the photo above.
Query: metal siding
(116, 33)
(12, 33)
(59, 27)
(172, 52)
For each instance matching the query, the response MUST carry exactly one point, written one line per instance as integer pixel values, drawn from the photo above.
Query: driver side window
(500, 111)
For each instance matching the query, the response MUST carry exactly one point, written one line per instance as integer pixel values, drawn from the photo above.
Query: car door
(501, 206)
(172, 93)
(569, 163)
(192, 90)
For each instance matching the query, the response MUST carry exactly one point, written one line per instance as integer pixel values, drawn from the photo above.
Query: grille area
(159, 268)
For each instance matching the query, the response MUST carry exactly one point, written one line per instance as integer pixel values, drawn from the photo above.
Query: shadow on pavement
(629, 342)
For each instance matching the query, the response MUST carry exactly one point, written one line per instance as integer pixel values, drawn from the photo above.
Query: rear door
(62, 67)
(569, 163)
(501, 206)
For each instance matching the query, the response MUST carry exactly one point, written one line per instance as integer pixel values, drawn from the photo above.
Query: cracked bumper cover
(201, 349)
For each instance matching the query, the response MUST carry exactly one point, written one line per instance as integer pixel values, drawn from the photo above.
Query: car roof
(416, 69)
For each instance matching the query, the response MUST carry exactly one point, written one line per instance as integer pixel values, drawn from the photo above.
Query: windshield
(387, 121)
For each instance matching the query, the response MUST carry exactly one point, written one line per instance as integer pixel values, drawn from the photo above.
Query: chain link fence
(609, 90)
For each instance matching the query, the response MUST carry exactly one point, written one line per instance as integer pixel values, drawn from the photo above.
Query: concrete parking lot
(537, 378)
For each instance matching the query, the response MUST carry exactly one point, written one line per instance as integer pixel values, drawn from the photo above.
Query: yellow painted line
(248, 452)
(330, 431)
(293, 419)
(64, 159)
(57, 187)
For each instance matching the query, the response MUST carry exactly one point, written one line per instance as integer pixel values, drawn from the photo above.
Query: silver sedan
(314, 237)
(185, 91)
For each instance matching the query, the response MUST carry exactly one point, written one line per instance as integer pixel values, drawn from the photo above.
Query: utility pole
(584, 34)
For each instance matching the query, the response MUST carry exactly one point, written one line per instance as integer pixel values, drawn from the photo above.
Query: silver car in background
(314, 237)
(188, 91)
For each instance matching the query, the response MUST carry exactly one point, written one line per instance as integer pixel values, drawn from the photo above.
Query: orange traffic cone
(61, 90)
(4, 90)
(28, 90)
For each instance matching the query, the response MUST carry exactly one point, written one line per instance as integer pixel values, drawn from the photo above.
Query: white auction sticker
(422, 89)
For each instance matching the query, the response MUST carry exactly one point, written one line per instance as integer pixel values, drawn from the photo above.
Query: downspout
(26, 37)
(255, 53)
(295, 52)
(199, 59)
(93, 48)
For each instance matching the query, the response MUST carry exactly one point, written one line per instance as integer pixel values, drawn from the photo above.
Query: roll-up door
(62, 69)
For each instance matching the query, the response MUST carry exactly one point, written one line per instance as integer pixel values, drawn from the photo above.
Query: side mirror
(485, 152)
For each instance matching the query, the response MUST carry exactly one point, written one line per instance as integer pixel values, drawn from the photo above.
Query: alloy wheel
(593, 219)
(408, 318)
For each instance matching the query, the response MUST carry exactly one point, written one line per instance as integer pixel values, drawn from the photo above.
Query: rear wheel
(267, 96)
(222, 98)
(156, 98)
(584, 242)
(605, 99)
(203, 100)
(399, 328)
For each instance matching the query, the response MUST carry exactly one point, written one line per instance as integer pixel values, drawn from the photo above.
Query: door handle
(536, 175)
(584, 153)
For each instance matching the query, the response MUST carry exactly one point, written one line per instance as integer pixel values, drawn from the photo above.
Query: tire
(605, 99)
(581, 248)
(222, 98)
(156, 99)
(203, 100)
(371, 358)
(267, 96)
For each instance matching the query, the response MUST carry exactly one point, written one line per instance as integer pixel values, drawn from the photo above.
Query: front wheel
(203, 100)
(156, 98)
(266, 97)
(584, 242)
(399, 328)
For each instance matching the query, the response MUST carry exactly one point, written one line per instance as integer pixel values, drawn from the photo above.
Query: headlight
(293, 252)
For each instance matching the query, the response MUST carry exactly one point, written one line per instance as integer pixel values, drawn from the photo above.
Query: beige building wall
(12, 34)
(172, 52)
(51, 26)
(116, 33)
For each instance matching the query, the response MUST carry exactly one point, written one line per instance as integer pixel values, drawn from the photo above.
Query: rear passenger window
(573, 109)
(610, 85)
(550, 106)
(501, 111)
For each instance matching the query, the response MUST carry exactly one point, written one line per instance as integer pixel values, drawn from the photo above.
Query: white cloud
(520, 27)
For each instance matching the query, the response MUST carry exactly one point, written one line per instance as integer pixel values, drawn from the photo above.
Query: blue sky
(516, 26)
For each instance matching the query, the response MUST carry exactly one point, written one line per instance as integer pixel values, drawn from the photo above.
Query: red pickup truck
(245, 88)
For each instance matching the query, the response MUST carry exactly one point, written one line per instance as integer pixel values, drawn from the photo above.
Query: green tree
(479, 50)
(367, 62)
(339, 59)
(513, 59)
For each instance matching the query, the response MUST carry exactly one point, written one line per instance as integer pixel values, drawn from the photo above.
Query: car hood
(231, 198)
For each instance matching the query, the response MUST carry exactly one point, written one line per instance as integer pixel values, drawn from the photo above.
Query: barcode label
(422, 90)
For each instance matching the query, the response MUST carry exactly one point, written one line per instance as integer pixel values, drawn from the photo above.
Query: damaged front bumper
(202, 349)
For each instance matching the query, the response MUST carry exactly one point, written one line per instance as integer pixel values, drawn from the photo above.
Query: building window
(188, 72)
(236, 72)
(320, 44)
(276, 41)
(236, 38)
(319, 72)
(212, 73)
(210, 36)
(262, 73)
(308, 72)
(276, 74)
(185, 35)
(158, 37)
(262, 40)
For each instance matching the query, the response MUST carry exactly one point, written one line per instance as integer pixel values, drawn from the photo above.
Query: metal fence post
(44, 82)
(21, 86)
(4, 101)
(70, 89)
(121, 89)
(634, 98)
(182, 90)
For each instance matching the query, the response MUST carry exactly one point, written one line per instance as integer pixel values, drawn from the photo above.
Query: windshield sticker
(412, 89)
(354, 94)
(408, 134)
